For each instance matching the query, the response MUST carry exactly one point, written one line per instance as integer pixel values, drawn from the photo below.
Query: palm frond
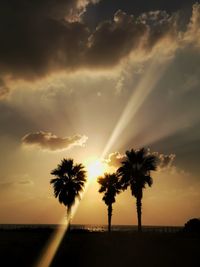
(69, 182)
(135, 170)
(110, 186)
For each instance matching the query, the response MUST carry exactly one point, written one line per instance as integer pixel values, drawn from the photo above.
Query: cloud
(114, 159)
(4, 90)
(133, 35)
(192, 35)
(78, 9)
(8, 184)
(123, 30)
(25, 182)
(37, 38)
(159, 25)
(105, 8)
(44, 37)
(51, 142)
(164, 161)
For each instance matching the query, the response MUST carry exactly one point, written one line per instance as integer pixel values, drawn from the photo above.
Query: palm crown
(69, 182)
(135, 170)
(110, 185)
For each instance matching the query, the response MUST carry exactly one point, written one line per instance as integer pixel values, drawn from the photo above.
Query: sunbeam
(140, 94)
(51, 248)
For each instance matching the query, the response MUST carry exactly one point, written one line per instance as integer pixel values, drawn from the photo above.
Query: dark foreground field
(23, 247)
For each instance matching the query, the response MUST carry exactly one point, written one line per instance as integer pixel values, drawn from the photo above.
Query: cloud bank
(39, 38)
(51, 142)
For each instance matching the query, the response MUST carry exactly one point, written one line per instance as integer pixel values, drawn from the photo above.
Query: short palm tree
(135, 172)
(110, 187)
(69, 183)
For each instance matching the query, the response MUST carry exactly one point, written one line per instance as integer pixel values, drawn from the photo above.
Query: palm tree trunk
(69, 225)
(139, 213)
(109, 217)
(69, 219)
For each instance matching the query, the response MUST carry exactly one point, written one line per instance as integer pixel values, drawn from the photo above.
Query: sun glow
(95, 168)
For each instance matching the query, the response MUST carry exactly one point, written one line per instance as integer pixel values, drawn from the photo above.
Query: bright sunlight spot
(95, 168)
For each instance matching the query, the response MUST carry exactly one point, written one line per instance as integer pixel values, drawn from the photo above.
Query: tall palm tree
(110, 187)
(135, 172)
(69, 183)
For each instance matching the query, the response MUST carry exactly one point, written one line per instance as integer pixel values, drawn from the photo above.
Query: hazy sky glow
(88, 80)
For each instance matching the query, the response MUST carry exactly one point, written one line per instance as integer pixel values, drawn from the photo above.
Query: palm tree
(69, 183)
(110, 187)
(135, 172)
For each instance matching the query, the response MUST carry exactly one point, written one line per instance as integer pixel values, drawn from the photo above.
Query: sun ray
(51, 248)
(139, 95)
(96, 167)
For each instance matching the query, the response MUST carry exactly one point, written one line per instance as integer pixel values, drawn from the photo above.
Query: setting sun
(95, 168)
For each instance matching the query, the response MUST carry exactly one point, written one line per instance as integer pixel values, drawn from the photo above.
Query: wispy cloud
(10, 183)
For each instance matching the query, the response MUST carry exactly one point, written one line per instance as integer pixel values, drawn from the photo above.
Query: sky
(90, 79)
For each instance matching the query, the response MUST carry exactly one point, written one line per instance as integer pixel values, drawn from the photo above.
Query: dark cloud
(49, 141)
(36, 36)
(106, 8)
(35, 40)
(48, 8)
(40, 37)
(115, 39)
(33, 44)
(159, 24)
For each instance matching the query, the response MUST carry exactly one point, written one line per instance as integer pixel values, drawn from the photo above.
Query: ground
(119, 249)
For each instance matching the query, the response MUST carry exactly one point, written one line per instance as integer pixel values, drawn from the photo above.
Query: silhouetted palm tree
(135, 172)
(110, 187)
(69, 183)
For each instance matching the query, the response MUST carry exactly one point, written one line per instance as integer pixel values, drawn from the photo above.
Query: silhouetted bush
(193, 226)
